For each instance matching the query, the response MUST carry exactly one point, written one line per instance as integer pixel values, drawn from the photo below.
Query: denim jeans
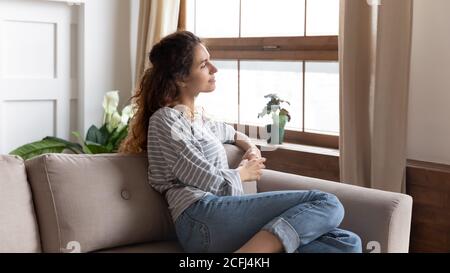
(303, 221)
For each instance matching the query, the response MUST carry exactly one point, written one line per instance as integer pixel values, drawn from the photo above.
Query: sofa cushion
(18, 226)
(97, 201)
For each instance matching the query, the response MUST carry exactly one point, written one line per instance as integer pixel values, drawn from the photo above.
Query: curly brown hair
(171, 60)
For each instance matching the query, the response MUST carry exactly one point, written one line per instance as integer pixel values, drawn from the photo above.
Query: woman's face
(201, 78)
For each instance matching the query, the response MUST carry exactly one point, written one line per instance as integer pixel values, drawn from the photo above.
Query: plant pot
(276, 136)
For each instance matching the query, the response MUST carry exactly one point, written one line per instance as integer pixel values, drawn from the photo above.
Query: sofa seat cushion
(18, 226)
(155, 247)
(96, 201)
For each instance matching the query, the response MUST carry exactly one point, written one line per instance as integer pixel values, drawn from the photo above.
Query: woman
(188, 165)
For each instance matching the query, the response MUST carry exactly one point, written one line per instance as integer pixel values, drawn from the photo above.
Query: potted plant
(105, 139)
(280, 116)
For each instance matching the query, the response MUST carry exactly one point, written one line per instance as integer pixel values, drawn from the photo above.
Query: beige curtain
(157, 18)
(374, 54)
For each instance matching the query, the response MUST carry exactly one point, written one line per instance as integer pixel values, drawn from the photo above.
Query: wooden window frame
(298, 48)
(306, 48)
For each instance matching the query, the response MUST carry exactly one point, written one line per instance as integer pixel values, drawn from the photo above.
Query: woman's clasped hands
(250, 168)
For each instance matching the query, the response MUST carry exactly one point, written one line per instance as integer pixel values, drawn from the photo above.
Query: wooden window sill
(301, 159)
(295, 147)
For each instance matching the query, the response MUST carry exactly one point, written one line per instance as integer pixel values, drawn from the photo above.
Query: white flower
(110, 103)
(114, 122)
(127, 113)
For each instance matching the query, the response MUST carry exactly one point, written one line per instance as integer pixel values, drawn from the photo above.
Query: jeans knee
(354, 243)
(334, 209)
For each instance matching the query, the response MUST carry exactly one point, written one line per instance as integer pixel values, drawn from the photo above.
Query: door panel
(38, 85)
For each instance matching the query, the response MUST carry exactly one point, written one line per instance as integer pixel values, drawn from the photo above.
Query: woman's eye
(203, 66)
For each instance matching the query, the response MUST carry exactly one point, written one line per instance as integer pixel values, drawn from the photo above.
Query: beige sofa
(103, 203)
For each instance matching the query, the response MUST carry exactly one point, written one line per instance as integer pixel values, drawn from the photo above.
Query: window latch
(271, 47)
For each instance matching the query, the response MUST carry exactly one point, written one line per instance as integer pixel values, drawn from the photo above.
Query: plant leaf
(96, 135)
(36, 148)
(83, 145)
(96, 148)
(105, 133)
(123, 134)
(117, 137)
(74, 147)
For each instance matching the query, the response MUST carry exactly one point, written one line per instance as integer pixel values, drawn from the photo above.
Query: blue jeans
(304, 221)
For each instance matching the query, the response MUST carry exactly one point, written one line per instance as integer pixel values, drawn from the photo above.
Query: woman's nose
(213, 69)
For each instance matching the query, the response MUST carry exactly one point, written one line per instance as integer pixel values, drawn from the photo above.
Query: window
(288, 47)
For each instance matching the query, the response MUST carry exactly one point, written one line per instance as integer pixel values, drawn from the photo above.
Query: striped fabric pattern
(187, 159)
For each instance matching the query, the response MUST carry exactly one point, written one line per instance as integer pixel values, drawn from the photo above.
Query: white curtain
(374, 55)
(157, 18)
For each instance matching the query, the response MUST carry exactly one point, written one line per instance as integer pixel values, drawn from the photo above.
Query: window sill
(295, 147)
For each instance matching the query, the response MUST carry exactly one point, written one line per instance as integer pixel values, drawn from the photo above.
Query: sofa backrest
(18, 227)
(93, 202)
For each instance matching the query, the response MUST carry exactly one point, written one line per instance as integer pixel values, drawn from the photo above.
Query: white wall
(429, 99)
(109, 54)
(134, 20)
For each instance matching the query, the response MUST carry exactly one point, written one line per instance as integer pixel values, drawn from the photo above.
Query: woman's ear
(180, 82)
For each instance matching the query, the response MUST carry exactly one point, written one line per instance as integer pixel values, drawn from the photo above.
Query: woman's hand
(252, 153)
(251, 170)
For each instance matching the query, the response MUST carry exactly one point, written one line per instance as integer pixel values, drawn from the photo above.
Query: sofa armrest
(382, 219)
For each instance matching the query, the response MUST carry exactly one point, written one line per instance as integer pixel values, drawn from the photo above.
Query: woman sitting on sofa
(188, 164)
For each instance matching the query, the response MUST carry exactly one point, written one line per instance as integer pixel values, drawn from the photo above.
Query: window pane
(322, 17)
(272, 18)
(259, 78)
(222, 103)
(322, 97)
(217, 18)
(190, 15)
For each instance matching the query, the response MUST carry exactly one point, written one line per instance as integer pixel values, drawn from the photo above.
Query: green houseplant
(280, 116)
(105, 139)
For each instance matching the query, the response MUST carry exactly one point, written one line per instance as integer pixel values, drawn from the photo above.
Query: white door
(38, 71)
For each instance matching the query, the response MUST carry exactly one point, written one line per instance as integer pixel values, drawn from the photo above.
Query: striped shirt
(187, 159)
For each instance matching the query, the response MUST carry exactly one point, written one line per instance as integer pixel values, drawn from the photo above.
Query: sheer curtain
(374, 54)
(157, 18)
